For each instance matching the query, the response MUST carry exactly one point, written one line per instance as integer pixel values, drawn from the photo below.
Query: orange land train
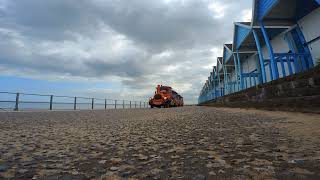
(165, 97)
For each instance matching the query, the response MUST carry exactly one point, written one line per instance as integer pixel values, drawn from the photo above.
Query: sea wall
(299, 92)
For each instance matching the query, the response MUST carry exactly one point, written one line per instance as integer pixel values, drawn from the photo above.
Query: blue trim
(274, 67)
(224, 79)
(260, 80)
(236, 70)
(241, 34)
(305, 46)
(218, 64)
(289, 65)
(251, 74)
(218, 75)
(226, 54)
(240, 71)
(264, 7)
(282, 67)
(214, 85)
(261, 59)
(291, 47)
(298, 45)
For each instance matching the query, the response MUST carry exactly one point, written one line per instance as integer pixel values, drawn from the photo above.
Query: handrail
(73, 101)
(293, 54)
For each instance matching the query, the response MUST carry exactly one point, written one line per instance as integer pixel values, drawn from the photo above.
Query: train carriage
(165, 97)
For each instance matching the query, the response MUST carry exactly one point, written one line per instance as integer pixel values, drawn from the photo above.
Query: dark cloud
(141, 42)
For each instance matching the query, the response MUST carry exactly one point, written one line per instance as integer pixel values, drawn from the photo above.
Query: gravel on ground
(179, 143)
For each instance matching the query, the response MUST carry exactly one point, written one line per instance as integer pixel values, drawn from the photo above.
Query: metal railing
(24, 101)
(291, 63)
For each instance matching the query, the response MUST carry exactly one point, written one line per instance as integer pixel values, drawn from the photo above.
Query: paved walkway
(179, 143)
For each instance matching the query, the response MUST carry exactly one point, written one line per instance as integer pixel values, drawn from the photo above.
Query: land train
(165, 97)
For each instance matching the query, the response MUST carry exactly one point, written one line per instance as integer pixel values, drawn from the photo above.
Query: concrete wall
(299, 92)
(310, 27)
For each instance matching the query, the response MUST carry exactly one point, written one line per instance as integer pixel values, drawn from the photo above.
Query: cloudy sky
(113, 48)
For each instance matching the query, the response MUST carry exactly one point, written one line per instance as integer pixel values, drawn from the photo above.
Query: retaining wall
(299, 92)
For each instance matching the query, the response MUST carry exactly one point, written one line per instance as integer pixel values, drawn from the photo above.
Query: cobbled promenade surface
(179, 143)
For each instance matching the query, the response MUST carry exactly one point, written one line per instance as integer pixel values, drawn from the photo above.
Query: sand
(178, 143)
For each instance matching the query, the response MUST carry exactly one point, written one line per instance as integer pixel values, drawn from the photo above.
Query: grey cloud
(128, 39)
(51, 19)
(178, 24)
(131, 69)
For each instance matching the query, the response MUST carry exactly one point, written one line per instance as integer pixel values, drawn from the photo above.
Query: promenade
(178, 143)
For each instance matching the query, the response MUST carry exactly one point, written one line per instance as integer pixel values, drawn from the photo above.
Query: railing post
(17, 102)
(289, 64)
(246, 85)
(123, 104)
(92, 103)
(130, 104)
(140, 104)
(135, 104)
(105, 104)
(51, 101)
(75, 103)
(283, 69)
(115, 104)
(303, 62)
(297, 67)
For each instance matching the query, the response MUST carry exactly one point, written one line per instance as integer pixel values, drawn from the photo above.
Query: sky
(115, 49)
